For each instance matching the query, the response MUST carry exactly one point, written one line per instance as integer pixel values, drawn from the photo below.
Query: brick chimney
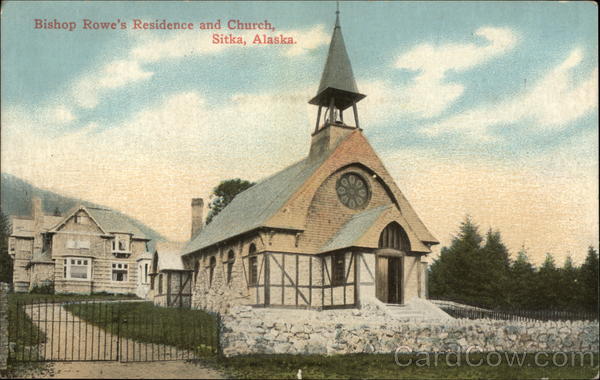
(36, 207)
(197, 210)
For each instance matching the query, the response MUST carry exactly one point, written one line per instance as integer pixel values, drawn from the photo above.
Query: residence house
(89, 250)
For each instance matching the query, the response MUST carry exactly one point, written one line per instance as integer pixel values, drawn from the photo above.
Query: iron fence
(55, 330)
(457, 310)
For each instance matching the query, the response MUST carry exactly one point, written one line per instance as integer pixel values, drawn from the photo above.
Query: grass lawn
(184, 328)
(24, 333)
(383, 366)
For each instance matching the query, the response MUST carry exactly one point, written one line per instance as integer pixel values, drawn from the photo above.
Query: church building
(330, 231)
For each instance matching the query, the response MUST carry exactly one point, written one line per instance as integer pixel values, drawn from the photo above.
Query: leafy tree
(588, 279)
(6, 265)
(224, 193)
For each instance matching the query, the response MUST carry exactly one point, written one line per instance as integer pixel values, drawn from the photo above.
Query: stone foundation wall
(3, 326)
(270, 331)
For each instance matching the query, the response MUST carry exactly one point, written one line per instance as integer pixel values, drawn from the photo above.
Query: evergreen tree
(547, 283)
(456, 273)
(521, 281)
(588, 279)
(495, 270)
(6, 264)
(569, 294)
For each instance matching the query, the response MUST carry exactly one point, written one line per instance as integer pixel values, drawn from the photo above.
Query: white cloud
(152, 164)
(150, 48)
(552, 103)
(429, 94)
(117, 73)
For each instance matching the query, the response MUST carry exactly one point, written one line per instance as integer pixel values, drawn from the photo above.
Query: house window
(160, 285)
(230, 261)
(47, 243)
(146, 273)
(77, 268)
(213, 265)
(81, 219)
(119, 272)
(338, 267)
(121, 243)
(253, 263)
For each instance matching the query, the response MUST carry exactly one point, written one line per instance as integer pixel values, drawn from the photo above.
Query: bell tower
(337, 89)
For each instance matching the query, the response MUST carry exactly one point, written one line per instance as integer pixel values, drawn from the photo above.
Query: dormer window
(121, 245)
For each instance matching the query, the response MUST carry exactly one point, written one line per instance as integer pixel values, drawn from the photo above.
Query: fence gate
(126, 331)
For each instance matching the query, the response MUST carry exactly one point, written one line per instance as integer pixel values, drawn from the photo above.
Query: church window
(394, 236)
(338, 267)
(253, 261)
(230, 261)
(353, 191)
(212, 266)
(196, 270)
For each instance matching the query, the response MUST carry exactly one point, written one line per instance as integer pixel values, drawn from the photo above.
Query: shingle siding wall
(326, 214)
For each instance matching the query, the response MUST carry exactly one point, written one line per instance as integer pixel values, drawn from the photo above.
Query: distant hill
(16, 195)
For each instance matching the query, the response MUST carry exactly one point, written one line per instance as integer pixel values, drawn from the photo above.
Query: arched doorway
(393, 245)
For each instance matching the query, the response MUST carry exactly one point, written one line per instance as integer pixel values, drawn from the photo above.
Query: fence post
(4, 342)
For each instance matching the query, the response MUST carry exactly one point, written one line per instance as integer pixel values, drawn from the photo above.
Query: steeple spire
(337, 89)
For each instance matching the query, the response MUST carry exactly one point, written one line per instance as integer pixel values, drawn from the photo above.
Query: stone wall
(369, 330)
(3, 326)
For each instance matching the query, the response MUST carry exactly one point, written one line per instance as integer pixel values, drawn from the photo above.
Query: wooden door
(394, 280)
(381, 278)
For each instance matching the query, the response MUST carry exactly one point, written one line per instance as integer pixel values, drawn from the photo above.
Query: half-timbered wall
(175, 290)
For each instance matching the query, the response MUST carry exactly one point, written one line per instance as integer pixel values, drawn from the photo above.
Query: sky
(487, 109)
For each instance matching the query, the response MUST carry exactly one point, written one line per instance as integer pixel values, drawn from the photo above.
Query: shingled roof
(108, 220)
(354, 229)
(253, 207)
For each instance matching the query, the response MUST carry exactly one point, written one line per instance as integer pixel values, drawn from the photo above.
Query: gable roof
(114, 222)
(169, 255)
(356, 227)
(107, 220)
(25, 227)
(253, 207)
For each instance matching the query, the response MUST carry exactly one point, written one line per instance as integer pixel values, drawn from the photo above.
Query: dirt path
(70, 338)
(118, 370)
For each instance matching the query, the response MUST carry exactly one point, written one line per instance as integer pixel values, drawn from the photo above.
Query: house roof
(354, 229)
(109, 221)
(253, 207)
(25, 226)
(169, 255)
(112, 221)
